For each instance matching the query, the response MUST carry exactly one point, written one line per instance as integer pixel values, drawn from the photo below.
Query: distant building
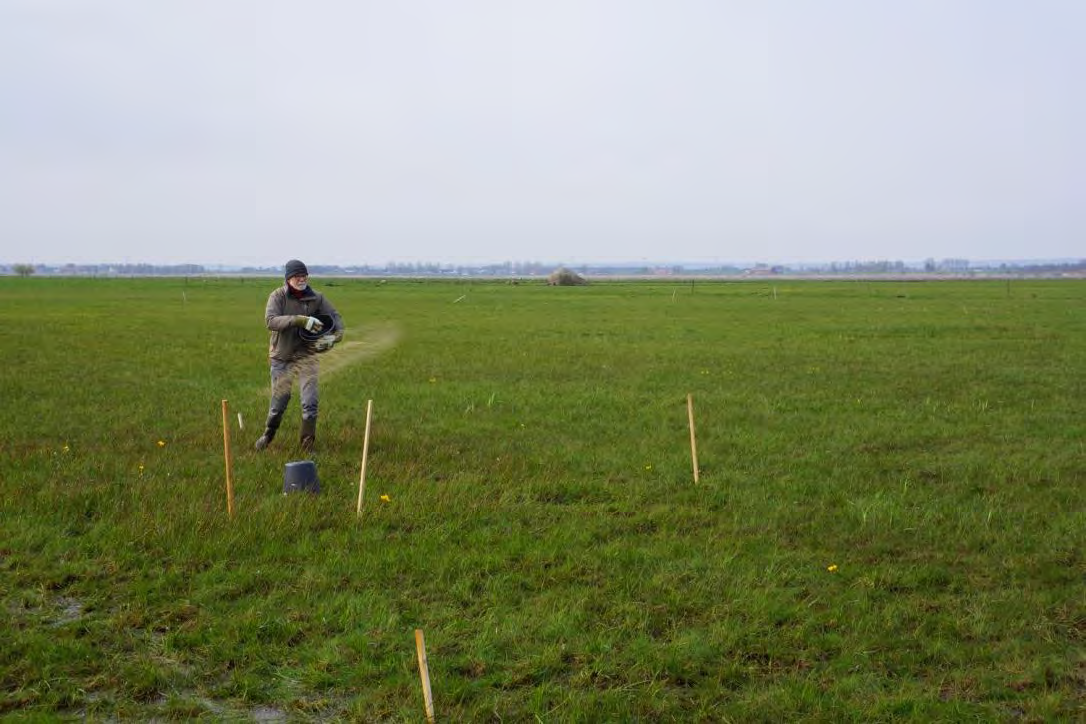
(954, 265)
(763, 270)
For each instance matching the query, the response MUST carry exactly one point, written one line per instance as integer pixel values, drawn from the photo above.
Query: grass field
(889, 524)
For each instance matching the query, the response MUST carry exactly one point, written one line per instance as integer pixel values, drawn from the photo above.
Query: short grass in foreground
(889, 524)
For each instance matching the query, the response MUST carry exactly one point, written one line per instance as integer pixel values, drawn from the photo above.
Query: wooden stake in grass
(424, 672)
(226, 450)
(693, 439)
(365, 454)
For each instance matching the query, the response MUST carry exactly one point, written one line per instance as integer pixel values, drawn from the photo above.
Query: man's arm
(275, 317)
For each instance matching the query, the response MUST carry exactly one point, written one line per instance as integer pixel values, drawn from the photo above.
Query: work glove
(309, 324)
(325, 343)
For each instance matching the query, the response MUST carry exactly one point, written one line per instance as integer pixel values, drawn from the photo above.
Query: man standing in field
(302, 322)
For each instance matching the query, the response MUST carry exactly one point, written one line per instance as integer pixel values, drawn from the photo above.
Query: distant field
(889, 524)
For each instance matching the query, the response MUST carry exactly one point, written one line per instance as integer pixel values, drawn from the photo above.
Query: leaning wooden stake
(226, 450)
(424, 672)
(365, 453)
(693, 439)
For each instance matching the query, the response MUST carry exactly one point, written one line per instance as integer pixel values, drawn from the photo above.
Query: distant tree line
(107, 269)
(542, 270)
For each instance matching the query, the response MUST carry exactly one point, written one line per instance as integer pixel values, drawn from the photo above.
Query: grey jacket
(285, 344)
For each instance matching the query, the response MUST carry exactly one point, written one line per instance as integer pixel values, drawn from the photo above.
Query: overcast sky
(247, 132)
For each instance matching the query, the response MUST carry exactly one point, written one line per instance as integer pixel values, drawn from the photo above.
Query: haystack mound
(562, 277)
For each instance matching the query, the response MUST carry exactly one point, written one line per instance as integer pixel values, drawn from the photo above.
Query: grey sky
(366, 131)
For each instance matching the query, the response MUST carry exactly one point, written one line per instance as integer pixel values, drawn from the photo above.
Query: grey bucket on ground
(300, 477)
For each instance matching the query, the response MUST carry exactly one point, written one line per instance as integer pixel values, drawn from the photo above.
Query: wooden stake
(365, 454)
(424, 672)
(226, 451)
(693, 439)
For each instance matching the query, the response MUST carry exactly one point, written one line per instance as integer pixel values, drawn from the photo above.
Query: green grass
(543, 528)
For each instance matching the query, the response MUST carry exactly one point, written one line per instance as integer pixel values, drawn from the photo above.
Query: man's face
(299, 282)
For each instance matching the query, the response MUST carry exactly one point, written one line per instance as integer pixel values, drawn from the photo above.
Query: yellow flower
(386, 499)
(162, 443)
(433, 380)
(66, 448)
(648, 467)
(832, 568)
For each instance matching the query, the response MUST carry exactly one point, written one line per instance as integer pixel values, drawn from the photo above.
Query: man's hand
(309, 324)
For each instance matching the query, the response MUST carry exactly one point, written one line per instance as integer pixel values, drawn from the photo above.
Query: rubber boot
(309, 434)
(270, 428)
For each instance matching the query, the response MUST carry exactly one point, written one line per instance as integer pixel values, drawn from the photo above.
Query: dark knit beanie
(294, 268)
